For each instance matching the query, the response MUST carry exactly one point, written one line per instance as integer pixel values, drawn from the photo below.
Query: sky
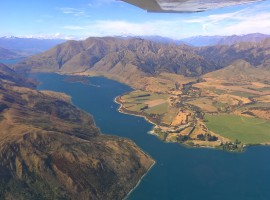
(79, 19)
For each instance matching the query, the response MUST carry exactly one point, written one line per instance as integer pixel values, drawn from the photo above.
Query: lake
(11, 61)
(180, 173)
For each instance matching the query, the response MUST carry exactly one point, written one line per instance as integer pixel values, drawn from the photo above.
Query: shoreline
(145, 153)
(126, 113)
(140, 180)
(155, 125)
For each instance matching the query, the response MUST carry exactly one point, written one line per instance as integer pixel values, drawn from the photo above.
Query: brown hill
(122, 57)
(139, 63)
(238, 71)
(233, 39)
(257, 54)
(49, 149)
(7, 74)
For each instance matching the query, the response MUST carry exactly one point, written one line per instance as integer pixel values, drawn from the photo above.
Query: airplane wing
(185, 5)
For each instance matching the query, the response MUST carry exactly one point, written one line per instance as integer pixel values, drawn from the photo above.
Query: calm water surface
(180, 173)
(11, 61)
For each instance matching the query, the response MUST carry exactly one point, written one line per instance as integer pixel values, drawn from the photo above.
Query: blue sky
(78, 19)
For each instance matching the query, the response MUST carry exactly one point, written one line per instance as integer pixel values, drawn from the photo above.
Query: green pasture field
(138, 96)
(160, 109)
(136, 100)
(248, 130)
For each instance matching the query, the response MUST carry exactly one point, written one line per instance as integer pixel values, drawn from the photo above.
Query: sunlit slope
(49, 149)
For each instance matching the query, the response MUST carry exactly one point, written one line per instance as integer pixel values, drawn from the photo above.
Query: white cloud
(249, 20)
(105, 28)
(177, 29)
(258, 23)
(73, 11)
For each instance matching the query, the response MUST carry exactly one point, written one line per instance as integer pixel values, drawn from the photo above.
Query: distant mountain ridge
(256, 53)
(160, 39)
(207, 40)
(224, 40)
(28, 46)
(198, 41)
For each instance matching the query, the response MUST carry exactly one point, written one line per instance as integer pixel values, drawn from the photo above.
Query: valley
(135, 100)
(180, 89)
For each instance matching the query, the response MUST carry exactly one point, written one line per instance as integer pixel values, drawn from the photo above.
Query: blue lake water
(180, 173)
(11, 61)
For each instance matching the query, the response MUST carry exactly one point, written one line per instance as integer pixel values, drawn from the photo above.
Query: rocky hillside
(123, 57)
(240, 71)
(7, 74)
(257, 54)
(49, 149)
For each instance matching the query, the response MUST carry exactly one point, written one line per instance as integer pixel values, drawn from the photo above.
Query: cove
(180, 173)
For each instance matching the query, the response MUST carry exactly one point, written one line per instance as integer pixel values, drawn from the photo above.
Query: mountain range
(199, 41)
(256, 53)
(224, 40)
(28, 46)
(119, 56)
(129, 60)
